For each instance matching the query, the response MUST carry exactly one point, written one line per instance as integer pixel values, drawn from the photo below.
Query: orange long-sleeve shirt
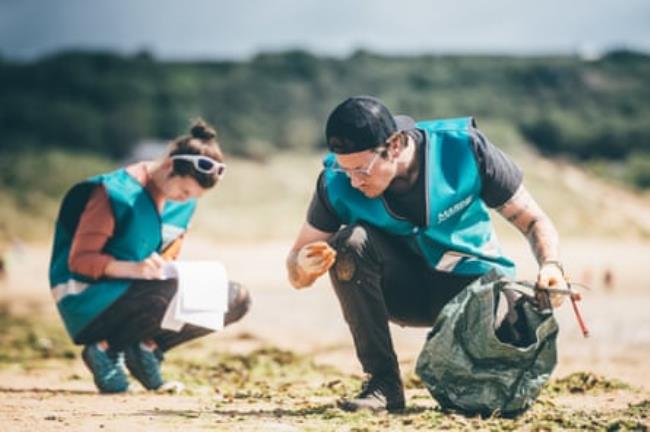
(97, 224)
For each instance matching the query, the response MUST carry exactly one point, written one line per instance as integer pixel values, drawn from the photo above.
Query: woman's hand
(149, 268)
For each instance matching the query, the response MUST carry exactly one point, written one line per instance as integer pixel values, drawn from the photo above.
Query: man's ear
(396, 146)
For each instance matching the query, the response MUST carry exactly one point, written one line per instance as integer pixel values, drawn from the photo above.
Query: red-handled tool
(574, 303)
(543, 298)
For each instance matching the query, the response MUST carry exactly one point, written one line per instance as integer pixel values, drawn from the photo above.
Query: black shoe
(379, 393)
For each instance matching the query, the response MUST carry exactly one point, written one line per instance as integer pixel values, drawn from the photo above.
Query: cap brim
(404, 122)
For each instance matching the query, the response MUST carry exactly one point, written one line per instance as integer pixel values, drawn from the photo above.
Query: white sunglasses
(363, 172)
(203, 164)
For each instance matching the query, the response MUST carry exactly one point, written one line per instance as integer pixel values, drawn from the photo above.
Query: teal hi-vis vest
(139, 231)
(458, 237)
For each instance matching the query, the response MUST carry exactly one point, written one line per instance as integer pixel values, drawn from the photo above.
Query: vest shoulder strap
(451, 124)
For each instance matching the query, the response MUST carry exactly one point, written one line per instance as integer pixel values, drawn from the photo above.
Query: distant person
(608, 279)
(113, 235)
(3, 267)
(400, 216)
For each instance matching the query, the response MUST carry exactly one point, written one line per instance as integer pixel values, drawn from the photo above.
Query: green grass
(585, 383)
(266, 385)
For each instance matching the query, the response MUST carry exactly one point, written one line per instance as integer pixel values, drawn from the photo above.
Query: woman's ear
(168, 167)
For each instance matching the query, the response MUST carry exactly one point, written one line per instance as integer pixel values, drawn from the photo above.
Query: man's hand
(316, 258)
(309, 263)
(551, 275)
(309, 257)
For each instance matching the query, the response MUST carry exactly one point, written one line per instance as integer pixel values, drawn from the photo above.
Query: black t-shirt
(500, 179)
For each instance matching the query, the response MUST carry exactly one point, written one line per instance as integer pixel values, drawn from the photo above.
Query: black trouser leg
(356, 278)
(136, 316)
(377, 278)
(238, 305)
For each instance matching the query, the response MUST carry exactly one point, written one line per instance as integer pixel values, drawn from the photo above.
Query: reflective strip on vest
(68, 288)
(449, 260)
(491, 248)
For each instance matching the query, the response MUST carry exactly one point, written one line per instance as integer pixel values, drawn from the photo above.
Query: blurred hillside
(65, 117)
(260, 201)
(594, 112)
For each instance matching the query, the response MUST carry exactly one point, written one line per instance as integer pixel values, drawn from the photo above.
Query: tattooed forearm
(517, 214)
(524, 213)
(541, 246)
(531, 225)
(514, 213)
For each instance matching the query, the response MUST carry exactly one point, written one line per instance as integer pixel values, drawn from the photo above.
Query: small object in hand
(171, 252)
(316, 258)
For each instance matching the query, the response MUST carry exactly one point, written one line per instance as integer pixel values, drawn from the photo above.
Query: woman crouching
(113, 234)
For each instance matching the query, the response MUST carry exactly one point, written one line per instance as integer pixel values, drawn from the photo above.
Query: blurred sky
(221, 29)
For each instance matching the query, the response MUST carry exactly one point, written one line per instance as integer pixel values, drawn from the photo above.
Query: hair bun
(201, 130)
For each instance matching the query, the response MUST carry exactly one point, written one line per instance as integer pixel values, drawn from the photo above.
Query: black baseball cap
(361, 123)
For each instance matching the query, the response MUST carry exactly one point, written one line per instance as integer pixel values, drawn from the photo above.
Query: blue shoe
(144, 365)
(107, 369)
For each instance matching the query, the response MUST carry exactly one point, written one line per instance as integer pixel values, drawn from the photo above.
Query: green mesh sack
(490, 351)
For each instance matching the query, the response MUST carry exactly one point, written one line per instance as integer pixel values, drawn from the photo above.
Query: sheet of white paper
(202, 296)
(169, 322)
(204, 285)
